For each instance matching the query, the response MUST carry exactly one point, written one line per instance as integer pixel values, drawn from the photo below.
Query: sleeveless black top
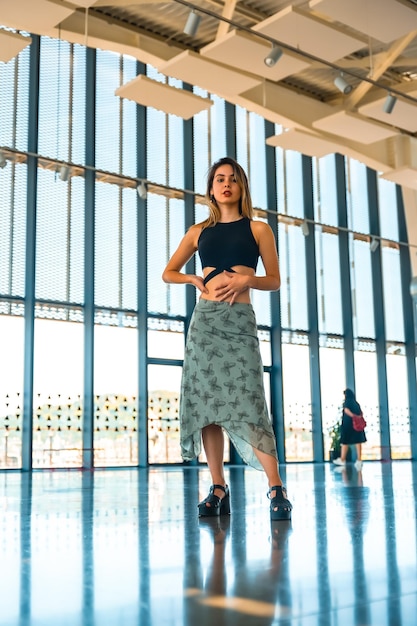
(227, 244)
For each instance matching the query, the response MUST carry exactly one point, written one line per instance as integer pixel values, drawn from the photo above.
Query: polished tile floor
(125, 547)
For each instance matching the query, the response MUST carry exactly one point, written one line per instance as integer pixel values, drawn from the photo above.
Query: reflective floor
(122, 547)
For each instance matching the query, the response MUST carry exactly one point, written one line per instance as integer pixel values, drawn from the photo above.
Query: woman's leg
(358, 451)
(270, 466)
(343, 452)
(213, 442)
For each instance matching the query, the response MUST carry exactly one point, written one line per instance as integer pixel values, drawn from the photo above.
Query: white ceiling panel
(193, 68)
(306, 143)
(309, 34)
(148, 92)
(404, 114)
(33, 17)
(352, 126)
(405, 176)
(11, 44)
(247, 53)
(371, 17)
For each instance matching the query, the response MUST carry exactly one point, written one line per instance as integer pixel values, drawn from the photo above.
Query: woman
(222, 382)
(349, 435)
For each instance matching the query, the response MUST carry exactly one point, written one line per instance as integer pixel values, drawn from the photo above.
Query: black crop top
(227, 244)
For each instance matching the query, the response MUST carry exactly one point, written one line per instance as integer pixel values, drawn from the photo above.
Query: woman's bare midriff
(219, 280)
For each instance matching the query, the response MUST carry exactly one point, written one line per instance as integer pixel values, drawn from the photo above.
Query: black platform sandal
(218, 506)
(280, 507)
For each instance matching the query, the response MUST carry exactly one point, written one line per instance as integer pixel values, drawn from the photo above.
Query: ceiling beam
(385, 62)
(228, 10)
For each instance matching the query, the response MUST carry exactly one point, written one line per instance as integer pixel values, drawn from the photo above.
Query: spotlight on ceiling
(342, 85)
(389, 103)
(3, 160)
(64, 172)
(374, 244)
(142, 190)
(192, 24)
(273, 56)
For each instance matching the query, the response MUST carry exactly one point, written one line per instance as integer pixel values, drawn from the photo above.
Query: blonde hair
(245, 201)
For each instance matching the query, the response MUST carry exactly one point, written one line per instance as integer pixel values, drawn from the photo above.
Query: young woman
(350, 436)
(222, 382)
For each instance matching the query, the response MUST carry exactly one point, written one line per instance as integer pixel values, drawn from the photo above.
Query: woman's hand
(232, 285)
(198, 282)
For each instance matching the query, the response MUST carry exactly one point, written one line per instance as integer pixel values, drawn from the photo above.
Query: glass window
(293, 184)
(332, 383)
(115, 391)
(324, 187)
(362, 295)
(293, 277)
(328, 282)
(393, 304)
(257, 163)
(297, 402)
(115, 118)
(14, 101)
(164, 383)
(388, 210)
(165, 231)
(366, 382)
(13, 229)
(115, 247)
(57, 392)
(62, 100)
(11, 396)
(242, 138)
(217, 119)
(60, 238)
(399, 419)
(357, 196)
(165, 339)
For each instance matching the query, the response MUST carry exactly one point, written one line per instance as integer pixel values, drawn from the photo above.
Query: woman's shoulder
(261, 230)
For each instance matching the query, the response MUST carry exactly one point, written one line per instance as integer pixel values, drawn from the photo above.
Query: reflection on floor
(125, 547)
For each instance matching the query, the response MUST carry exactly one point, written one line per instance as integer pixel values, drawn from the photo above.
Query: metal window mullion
(13, 176)
(30, 272)
(344, 265)
(89, 261)
(142, 286)
(408, 317)
(69, 187)
(189, 217)
(379, 316)
(276, 386)
(230, 123)
(120, 208)
(314, 349)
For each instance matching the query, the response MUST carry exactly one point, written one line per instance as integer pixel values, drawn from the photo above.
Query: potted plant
(334, 434)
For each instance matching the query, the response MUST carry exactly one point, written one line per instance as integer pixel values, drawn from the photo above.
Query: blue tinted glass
(388, 211)
(393, 304)
(357, 196)
(361, 277)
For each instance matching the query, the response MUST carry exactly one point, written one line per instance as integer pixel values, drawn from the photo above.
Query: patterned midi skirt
(222, 381)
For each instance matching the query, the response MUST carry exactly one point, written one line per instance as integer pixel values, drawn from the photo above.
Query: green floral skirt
(222, 381)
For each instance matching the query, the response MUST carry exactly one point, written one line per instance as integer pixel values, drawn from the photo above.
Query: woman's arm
(184, 252)
(268, 253)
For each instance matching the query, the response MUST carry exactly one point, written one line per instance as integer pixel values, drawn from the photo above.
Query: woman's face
(225, 189)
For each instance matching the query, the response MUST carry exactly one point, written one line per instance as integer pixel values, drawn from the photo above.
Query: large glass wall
(93, 340)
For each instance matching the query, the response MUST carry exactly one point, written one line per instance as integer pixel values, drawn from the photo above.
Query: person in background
(222, 382)
(350, 436)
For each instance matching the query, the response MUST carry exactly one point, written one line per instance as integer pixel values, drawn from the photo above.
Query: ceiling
(373, 42)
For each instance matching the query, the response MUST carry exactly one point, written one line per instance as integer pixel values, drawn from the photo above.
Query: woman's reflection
(238, 589)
